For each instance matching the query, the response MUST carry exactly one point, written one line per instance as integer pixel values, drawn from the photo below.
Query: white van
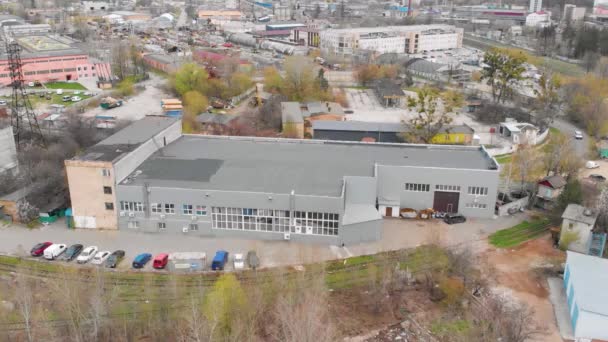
(54, 250)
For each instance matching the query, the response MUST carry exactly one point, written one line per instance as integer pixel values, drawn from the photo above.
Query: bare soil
(513, 271)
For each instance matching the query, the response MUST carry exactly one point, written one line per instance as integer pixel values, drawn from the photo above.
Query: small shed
(549, 188)
(389, 93)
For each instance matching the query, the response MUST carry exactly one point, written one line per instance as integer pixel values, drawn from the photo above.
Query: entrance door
(68, 77)
(446, 202)
(389, 211)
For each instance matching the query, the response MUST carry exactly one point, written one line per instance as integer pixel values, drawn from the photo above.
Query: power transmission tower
(23, 119)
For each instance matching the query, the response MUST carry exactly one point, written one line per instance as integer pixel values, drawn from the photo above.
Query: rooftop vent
(587, 212)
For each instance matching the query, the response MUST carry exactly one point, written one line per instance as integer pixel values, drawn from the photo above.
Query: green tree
(572, 193)
(323, 83)
(239, 82)
(195, 102)
(433, 114)
(503, 68)
(190, 77)
(224, 305)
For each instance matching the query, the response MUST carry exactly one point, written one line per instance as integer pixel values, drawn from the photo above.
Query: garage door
(446, 202)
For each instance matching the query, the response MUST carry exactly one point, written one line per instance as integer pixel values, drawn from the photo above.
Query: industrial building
(267, 188)
(53, 58)
(585, 281)
(391, 39)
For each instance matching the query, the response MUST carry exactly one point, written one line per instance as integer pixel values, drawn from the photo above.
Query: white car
(578, 135)
(76, 92)
(100, 257)
(592, 165)
(239, 261)
(59, 92)
(31, 84)
(3, 103)
(87, 254)
(76, 98)
(54, 250)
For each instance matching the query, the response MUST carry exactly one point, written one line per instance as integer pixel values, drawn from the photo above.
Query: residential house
(581, 221)
(520, 133)
(384, 132)
(585, 282)
(389, 93)
(549, 189)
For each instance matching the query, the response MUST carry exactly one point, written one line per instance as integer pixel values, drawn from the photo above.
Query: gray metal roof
(576, 212)
(267, 165)
(589, 276)
(127, 139)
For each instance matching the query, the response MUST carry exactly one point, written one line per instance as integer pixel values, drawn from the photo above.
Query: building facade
(585, 282)
(92, 177)
(573, 14)
(391, 39)
(535, 5)
(281, 189)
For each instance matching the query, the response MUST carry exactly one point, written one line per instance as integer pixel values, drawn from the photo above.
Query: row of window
(161, 225)
(132, 206)
(187, 209)
(447, 187)
(478, 190)
(476, 205)
(417, 187)
(271, 220)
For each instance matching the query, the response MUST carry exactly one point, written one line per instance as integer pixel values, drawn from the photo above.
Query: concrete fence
(513, 207)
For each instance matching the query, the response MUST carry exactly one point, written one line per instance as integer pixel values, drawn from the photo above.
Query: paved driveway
(397, 234)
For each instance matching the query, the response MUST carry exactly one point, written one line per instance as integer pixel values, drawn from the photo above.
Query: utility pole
(23, 119)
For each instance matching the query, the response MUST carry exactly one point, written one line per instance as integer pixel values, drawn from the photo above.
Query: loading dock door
(389, 211)
(446, 202)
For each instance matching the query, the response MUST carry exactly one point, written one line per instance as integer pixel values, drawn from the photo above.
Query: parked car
(76, 92)
(219, 260)
(592, 165)
(76, 98)
(87, 254)
(160, 261)
(100, 257)
(239, 261)
(54, 250)
(115, 258)
(59, 92)
(3, 103)
(31, 84)
(39, 248)
(578, 135)
(252, 260)
(66, 98)
(141, 260)
(72, 252)
(453, 218)
(597, 178)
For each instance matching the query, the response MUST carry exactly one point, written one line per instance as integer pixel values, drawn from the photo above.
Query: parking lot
(397, 234)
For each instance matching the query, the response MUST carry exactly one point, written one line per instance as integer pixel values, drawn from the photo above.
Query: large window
(131, 206)
(272, 220)
(476, 205)
(477, 190)
(187, 209)
(156, 208)
(441, 187)
(417, 187)
(317, 223)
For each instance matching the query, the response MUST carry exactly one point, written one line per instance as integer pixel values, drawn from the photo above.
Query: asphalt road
(568, 129)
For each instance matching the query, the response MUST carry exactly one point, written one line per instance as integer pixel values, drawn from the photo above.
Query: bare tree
(25, 302)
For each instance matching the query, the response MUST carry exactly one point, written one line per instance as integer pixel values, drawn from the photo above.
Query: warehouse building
(391, 39)
(283, 189)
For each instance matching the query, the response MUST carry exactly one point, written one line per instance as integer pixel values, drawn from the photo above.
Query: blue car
(141, 260)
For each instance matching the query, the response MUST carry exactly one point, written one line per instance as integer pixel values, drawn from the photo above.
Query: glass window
(193, 227)
(109, 206)
(162, 225)
(156, 208)
(187, 209)
(107, 190)
(169, 208)
(201, 210)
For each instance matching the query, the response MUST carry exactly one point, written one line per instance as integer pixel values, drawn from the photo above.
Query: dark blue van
(219, 260)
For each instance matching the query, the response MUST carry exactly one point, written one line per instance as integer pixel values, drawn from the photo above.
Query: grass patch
(65, 85)
(564, 68)
(503, 158)
(518, 234)
(55, 99)
(447, 329)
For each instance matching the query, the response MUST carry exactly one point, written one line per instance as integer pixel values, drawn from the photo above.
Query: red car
(38, 250)
(160, 261)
